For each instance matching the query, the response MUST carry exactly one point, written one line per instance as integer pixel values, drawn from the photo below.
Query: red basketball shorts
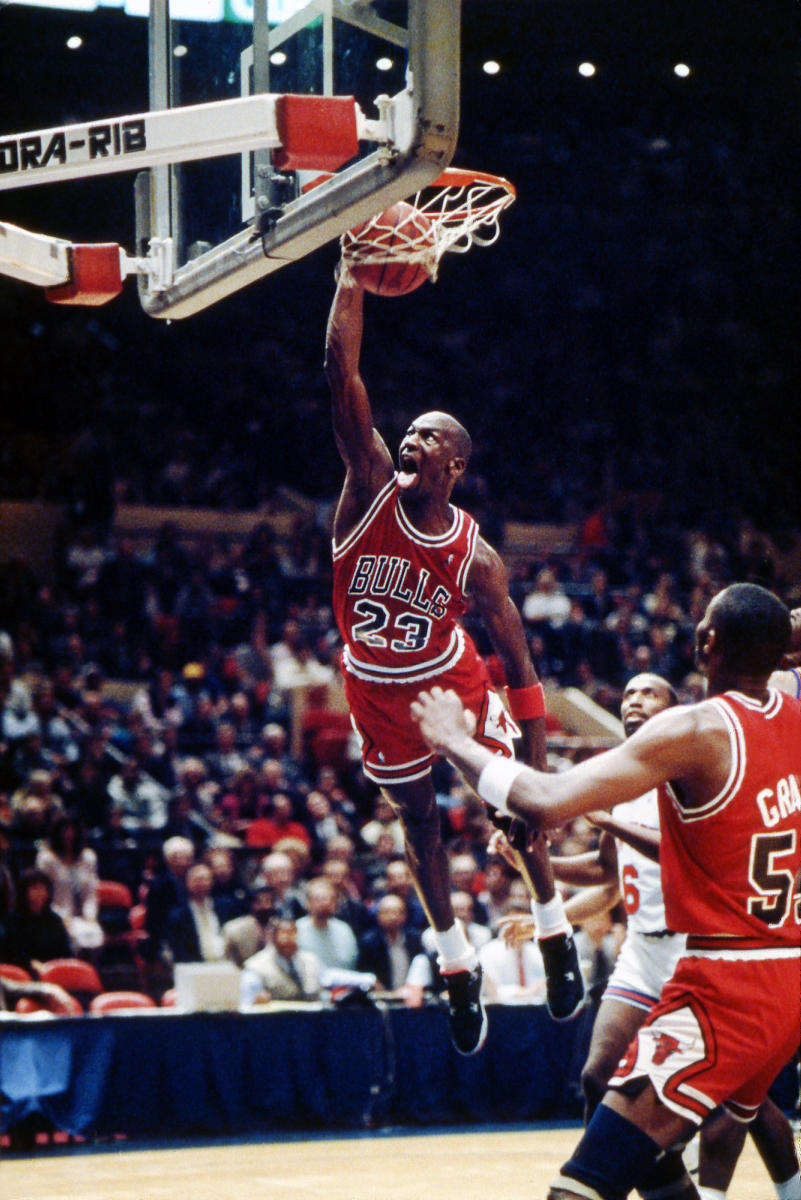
(720, 1034)
(392, 749)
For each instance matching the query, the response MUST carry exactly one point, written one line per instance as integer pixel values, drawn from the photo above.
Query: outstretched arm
(368, 462)
(645, 841)
(489, 585)
(688, 744)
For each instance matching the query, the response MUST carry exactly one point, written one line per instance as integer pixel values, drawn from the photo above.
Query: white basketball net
(456, 212)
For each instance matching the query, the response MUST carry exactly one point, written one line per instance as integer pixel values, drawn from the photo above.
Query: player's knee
(611, 1158)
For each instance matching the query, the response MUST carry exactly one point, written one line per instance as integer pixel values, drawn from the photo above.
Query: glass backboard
(230, 220)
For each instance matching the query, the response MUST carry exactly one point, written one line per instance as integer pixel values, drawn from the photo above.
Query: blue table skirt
(169, 1075)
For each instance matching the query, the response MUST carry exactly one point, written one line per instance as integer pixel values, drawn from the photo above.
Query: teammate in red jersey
(405, 562)
(729, 774)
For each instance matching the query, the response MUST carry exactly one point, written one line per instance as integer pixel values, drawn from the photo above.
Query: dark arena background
(627, 359)
(635, 328)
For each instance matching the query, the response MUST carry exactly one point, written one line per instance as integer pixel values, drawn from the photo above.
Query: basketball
(377, 251)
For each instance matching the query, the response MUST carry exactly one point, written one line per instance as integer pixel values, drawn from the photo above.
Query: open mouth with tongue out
(409, 470)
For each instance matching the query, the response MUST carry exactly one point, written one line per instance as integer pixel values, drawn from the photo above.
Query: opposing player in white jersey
(649, 951)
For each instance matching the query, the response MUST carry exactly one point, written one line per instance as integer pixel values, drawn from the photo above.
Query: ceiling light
(491, 67)
(74, 42)
(278, 58)
(682, 70)
(384, 63)
(587, 69)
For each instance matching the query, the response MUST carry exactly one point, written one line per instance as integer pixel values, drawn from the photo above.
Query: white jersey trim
(375, 673)
(429, 539)
(338, 550)
(744, 954)
(472, 543)
(736, 769)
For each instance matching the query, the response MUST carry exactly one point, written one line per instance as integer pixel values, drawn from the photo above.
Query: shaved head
(458, 436)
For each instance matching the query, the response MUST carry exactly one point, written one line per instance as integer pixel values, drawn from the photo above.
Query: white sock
(790, 1189)
(454, 952)
(550, 918)
(707, 1193)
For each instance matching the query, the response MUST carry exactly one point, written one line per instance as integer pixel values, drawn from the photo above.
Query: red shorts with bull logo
(723, 1029)
(392, 749)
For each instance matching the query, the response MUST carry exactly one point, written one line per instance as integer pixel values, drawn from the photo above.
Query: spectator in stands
(277, 872)
(398, 882)
(494, 897)
(388, 948)
(160, 700)
(332, 940)
(274, 744)
(464, 910)
(383, 820)
(226, 759)
(197, 733)
(350, 906)
(34, 932)
(546, 603)
(282, 970)
(57, 736)
(466, 877)
(513, 974)
(194, 928)
(229, 886)
(244, 936)
(167, 890)
(275, 821)
(141, 805)
(71, 867)
(196, 788)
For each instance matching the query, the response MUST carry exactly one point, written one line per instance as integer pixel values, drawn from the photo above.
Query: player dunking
(405, 562)
(729, 774)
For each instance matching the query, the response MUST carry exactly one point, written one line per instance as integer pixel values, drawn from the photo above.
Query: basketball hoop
(458, 210)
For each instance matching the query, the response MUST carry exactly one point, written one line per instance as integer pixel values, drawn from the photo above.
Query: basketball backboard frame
(283, 217)
(418, 128)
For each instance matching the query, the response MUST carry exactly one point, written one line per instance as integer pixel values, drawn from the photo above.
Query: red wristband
(526, 703)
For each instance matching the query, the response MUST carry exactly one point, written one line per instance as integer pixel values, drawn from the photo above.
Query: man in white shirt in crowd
(332, 940)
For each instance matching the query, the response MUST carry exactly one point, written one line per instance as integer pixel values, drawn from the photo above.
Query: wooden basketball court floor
(472, 1164)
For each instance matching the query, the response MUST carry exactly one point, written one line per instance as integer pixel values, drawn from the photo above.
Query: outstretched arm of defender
(679, 745)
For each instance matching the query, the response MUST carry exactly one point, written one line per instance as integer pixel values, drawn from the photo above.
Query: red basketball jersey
(398, 593)
(731, 866)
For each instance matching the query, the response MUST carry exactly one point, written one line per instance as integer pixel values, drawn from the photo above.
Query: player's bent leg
(416, 806)
(616, 1153)
(773, 1137)
(722, 1140)
(614, 1027)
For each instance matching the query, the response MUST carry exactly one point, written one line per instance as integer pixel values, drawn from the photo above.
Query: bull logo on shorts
(664, 1045)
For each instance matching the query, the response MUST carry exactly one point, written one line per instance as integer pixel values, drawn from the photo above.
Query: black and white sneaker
(563, 981)
(467, 1018)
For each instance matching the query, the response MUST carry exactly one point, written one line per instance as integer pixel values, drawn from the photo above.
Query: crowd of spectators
(149, 734)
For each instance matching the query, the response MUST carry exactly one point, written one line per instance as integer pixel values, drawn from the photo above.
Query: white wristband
(495, 783)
